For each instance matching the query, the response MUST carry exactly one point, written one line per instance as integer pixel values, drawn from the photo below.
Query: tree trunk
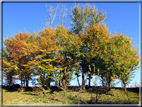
(109, 81)
(89, 81)
(48, 84)
(109, 84)
(64, 81)
(59, 83)
(27, 83)
(102, 81)
(60, 80)
(125, 88)
(49, 80)
(78, 81)
(83, 82)
(21, 82)
(10, 81)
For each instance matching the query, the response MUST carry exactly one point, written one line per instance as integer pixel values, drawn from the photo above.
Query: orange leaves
(47, 39)
(47, 33)
(96, 38)
(20, 48)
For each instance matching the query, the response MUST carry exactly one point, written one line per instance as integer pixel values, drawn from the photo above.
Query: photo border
(71, 1)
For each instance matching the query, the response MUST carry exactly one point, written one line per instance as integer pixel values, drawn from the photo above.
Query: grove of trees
(56, 54)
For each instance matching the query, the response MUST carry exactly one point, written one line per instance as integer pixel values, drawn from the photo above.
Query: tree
(8, 66)
(10, 56)
(119, 59)
(63, 14)
(77, 18)
(17, 47)
(66, 57)
(51, 11)
(29, 46)
(127, 58)
(84, 17)
(68, 47)
(94, 39)
(45, 55)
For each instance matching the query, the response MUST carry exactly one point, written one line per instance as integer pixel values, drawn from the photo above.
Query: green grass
(115, 96)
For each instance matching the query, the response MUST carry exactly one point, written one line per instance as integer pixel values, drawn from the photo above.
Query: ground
(115, 96)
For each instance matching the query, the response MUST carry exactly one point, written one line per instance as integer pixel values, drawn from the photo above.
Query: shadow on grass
(31, 94)
(73, 88)
(104, 102)
(14, 89)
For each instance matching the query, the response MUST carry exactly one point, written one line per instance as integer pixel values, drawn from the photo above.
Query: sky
(30, 17)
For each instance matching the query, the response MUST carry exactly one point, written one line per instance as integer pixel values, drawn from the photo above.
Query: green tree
(82, 18)
(127, 58)
(66, 57)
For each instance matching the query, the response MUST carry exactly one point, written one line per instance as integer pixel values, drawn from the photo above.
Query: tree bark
(109, 81)
(48, 84)
(21, 82)
(27, 83)
(125, 88)
(109, 84)
(78, 81)
(89, 81)
(83, 82)
(49, 80)
(59, 83)
(102, 81)
(64, 81)
(10, 80)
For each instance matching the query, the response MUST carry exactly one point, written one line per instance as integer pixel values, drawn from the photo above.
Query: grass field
(115, 96)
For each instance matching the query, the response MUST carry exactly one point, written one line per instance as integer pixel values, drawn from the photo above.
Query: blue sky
(30, 17)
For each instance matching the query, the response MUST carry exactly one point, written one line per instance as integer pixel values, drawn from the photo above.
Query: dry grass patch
(115, 96)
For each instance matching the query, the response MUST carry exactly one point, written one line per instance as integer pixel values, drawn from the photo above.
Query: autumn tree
(44, 55)
(10, 55)
(8, 66)
(95, 38)
(68, 45)
(20, 57)
(119, 59)
(82, 18)
(67, 56)
(127, 58)
(28, 49)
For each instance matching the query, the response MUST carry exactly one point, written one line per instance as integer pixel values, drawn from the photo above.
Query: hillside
(97, 95)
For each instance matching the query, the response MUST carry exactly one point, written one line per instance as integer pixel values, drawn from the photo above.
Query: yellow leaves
(112, 78)
(60, 69)
(39, 56)
(89, 68)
